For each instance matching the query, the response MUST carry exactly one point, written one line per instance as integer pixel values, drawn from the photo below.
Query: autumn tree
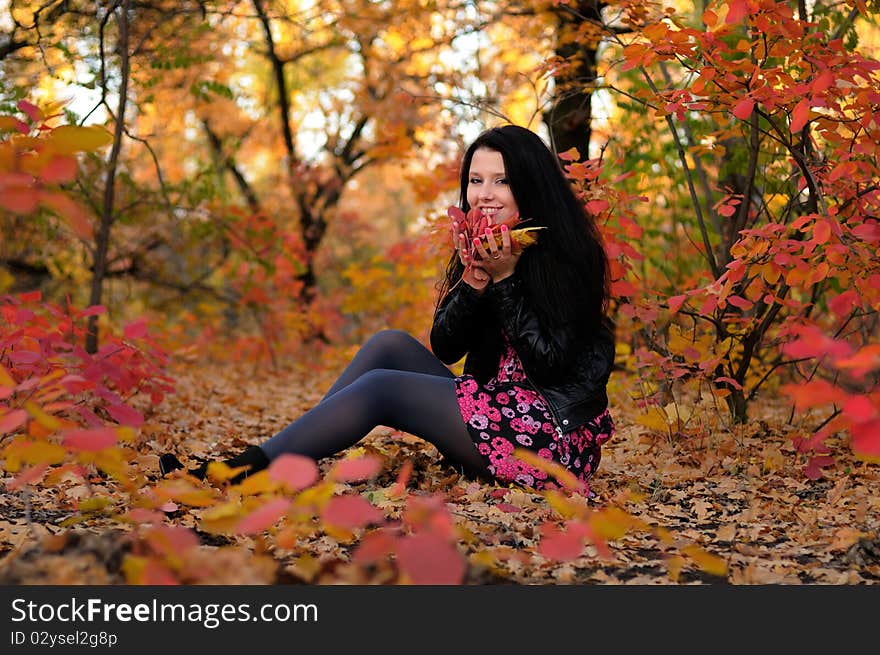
(766, 170)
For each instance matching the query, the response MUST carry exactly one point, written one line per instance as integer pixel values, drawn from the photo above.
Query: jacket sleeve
(456, 323)
(545, 353)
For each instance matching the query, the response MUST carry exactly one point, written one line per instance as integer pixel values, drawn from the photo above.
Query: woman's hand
(474, 274)
(497, 263)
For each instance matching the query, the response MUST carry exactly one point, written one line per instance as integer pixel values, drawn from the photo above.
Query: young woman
(531, 324)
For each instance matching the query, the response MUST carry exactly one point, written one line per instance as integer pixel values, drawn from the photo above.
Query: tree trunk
(103, 239)
(568, 118)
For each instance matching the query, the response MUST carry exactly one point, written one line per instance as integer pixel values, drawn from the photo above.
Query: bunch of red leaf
(476, 223)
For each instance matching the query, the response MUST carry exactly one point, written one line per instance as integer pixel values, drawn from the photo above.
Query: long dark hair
(565, 274)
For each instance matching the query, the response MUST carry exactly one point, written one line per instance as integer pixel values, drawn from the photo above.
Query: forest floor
(738, 492)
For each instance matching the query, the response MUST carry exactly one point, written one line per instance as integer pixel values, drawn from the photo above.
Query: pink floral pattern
(506, 413)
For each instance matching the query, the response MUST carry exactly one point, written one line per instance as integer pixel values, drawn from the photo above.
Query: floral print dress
(507, 413)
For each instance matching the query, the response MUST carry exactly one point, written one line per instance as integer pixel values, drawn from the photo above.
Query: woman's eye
(503, 180)
(475, 180)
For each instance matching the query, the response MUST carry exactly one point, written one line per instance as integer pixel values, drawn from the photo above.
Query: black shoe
(168, 463)
(254, 458)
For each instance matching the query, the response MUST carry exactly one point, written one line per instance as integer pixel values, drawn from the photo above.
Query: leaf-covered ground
(736, 492)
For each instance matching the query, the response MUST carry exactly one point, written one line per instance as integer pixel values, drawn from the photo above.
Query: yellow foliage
(707, 562)
(46, 420)
(68, 139)
(258, 483)
(656, 420)
(21, 451)
(564, 506)
(221, 472)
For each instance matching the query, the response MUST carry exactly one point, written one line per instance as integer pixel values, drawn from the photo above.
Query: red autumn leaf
(811, 342)
(744, 108)
(730, 381)
(456, 214)
(727, 210)
(125, 415)
(800, 115)
(860, 409)
(59, 170)
(571, 154)
(350, 512)
(135, 330)
(867, 232)
(19, 200)
(739, 301)
(402, 478)
(675, 302)
(597, 206)
(736, 11)
(862, 362)
(375, 546)
(90, 440)
(821, 231)
(156, 574)
(823, 81)
(842, 304)
(866, 439)
(294, 471)
(354, 470)
(13, 420)
(813, 469)
(171, 539)
(33, 474)
(559, 545)
(69, 210)
(23, 357)
(428, 559)
(144, 515)
(621, 288)
(33, 112)
(813, 393)
(94, 310)
(264, 517)
(507, 507)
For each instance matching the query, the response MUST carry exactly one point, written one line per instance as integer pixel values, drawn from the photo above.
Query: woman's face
(487, 188)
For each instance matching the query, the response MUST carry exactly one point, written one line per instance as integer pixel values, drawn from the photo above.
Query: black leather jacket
(569, 368)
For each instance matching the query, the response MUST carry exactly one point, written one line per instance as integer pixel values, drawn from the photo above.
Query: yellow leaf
(224, 511)
(43, 452)
(93, 504)
(653, 420)
(316, 496)
(221, 472)
(6, 380)
(46, 420)
(665, 536)
(611, 523)
(306, 566)
(222, 518)
(563, 506)
(341, 535)
(197, 498)
(133, 568)
(674, 565)
(258, 483)
(69, 139)
(711, 564)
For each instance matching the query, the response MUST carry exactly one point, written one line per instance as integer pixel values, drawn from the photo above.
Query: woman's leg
(390, 349)
(420, 400)
(420, 404)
